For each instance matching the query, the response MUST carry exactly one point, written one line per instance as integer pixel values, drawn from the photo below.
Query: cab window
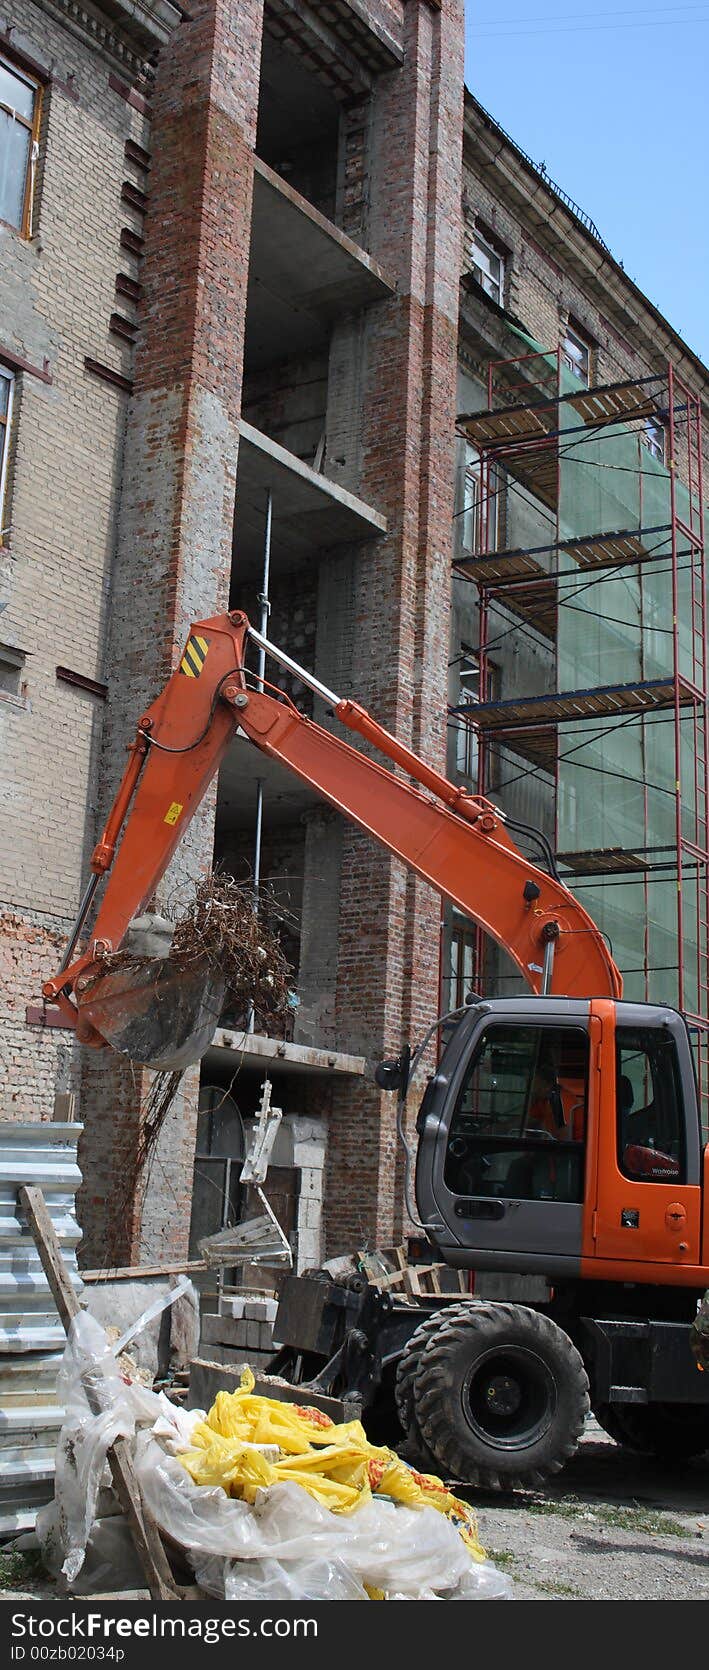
(650, 1120)
(519, 1126)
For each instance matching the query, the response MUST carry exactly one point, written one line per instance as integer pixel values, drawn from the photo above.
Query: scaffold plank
(611, 549)
(603, 702)
(614, 401)
(500, 566)
(607, 550)
(514, 423)
(607, 861)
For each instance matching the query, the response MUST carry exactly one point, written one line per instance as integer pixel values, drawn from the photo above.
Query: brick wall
(57, 295)
(175, 537)
(397, 620)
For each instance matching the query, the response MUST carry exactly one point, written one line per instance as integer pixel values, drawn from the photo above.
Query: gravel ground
(613, 1527)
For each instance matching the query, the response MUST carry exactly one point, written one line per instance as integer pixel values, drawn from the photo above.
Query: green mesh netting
(617, 778)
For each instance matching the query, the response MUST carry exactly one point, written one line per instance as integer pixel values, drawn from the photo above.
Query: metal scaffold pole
(265, 610)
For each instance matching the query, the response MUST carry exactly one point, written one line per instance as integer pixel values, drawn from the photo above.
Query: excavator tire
(671, 1431)
(416, 1450)
(500, 1396)
(408, 1364)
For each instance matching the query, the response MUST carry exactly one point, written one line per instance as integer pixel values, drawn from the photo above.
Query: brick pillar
(397, 633)
(175, 534)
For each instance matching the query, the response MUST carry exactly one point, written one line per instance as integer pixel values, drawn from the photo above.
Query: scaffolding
(589, 532)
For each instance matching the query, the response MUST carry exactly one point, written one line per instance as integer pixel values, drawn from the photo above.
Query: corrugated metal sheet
(31, 1335)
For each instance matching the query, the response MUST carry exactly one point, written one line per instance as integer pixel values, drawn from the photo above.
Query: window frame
(479, 242)
(653, 427)
(16, 68)
(467, 741)
(5, 431)
(471, 513)
(640, 1040)
(574, 333)
(10, 657)
(463, 936)
(529, 1141)
(470, 658)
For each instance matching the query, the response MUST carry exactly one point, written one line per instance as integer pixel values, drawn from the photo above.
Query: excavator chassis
(555, 1359)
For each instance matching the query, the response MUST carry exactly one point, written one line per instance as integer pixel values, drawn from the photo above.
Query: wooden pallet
(389, 1271)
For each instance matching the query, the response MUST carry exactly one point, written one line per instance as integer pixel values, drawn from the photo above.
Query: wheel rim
(509, 1398)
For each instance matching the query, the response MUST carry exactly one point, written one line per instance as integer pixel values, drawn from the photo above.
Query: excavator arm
(456, 841)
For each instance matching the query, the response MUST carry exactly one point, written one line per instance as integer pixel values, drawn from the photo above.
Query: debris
(335, 1463)
(106, 1428)
(263, 1527)
(260, 1239)
(232, 930)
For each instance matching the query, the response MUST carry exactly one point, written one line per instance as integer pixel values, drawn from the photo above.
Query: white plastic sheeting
(285, 1546)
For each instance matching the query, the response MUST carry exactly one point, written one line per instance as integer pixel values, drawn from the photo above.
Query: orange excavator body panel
(665, 1244)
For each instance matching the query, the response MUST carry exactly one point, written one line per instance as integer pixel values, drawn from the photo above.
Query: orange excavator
(560, 1154)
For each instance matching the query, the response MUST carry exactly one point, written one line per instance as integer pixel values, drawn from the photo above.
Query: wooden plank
(394, 1279)
(137, 1272)
(143, 1527)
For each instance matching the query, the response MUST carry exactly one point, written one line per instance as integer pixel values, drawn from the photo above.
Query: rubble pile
(260, 1499)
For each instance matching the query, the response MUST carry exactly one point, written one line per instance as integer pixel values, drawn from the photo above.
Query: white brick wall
(57, 293)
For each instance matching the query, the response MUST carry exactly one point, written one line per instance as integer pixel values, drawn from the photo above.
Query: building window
(488, 267)
(470, 517)
(461, 963)
(466, 758)
(653, 437)
(576, 355)
(12, 662)
(6, 390)
(20, 99)
(479, 514)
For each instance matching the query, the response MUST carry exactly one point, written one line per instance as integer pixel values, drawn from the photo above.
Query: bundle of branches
(236, 932)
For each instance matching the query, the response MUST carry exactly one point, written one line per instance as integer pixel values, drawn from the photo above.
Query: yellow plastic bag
(337, 1465)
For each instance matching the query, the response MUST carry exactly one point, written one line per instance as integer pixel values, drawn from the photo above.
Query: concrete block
(308, 1248)
(265, 1336)
(309, 1155)
(310, 1215)
(233, 1306)
(224, 1330)
(306, 1130)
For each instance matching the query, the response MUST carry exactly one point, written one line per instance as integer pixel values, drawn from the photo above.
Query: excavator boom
(455, 841)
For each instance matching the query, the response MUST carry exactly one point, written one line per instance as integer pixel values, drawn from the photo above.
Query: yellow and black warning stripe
(195, 655)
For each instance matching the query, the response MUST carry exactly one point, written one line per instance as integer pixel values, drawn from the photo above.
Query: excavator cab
(556, 1132)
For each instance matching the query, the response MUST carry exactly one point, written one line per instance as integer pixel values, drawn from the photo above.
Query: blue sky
(616, 103)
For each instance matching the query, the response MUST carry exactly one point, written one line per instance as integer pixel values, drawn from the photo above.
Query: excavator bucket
(154, 1011)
